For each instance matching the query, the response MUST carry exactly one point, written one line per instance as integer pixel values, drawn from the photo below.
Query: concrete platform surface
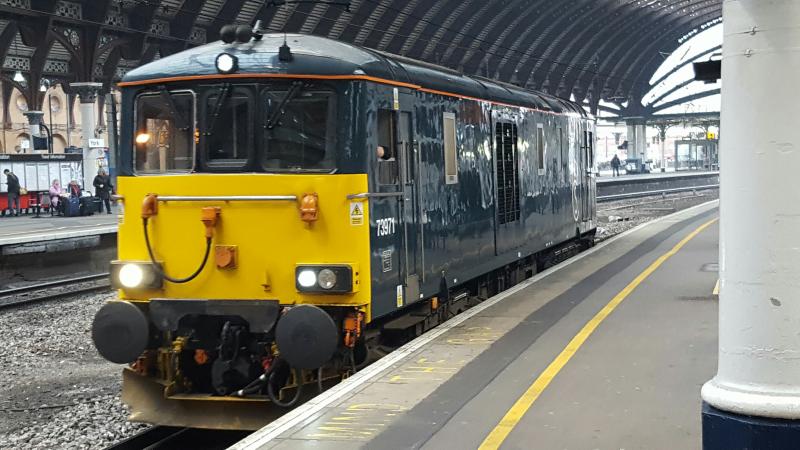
(27, 228)
(606, 351)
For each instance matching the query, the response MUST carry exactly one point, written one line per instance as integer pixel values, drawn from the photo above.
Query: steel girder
(592, 49)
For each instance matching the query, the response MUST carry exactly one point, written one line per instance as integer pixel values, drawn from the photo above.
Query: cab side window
(540, 147)
(450, 152)
(386, 150)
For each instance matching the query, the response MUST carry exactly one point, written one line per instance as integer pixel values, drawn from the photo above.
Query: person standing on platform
(103, 189)
(615, 165)
(13, 192)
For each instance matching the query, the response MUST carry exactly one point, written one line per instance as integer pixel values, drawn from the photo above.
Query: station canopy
(587, 50)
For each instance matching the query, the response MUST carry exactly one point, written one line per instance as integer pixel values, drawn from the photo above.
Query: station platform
(605, 351)
(606, 177)
(28, 229)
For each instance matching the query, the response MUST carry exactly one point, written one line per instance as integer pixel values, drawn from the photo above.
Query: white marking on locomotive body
(386, 260)
(386, 227)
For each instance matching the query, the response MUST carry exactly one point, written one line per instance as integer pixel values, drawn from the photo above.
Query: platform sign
(3, 185)
(711, 136)
(43, 175)
(31, 182)
(19, 171)
(66, 175)
(97, 143)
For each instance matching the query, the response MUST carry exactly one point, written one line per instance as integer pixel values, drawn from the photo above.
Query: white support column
(662, 138)
(637, 140)
(88, 94)
(757, 385)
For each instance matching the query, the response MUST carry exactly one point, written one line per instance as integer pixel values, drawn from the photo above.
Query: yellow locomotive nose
(262, 232)
(274, 266)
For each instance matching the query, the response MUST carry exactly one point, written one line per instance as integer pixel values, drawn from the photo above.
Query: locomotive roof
(319, 56)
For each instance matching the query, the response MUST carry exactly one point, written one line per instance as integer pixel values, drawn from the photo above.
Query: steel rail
(163, 437)
(16, 296)
(146, 438)
(628, 195)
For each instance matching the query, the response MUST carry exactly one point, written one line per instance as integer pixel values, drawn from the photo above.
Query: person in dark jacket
(13, 192)
(103, 189)
(615, 163)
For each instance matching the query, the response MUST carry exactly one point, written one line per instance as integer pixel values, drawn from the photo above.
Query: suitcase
(72, 207)
(87, 207)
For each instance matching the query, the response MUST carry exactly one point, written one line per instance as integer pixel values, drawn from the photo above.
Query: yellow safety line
(513, 416)
(716, 288)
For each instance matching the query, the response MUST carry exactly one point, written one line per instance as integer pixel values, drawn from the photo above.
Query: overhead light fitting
(18, 77)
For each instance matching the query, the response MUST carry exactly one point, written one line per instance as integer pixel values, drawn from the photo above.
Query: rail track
(52, 290)
(162, 438)
(638, 186)
(650, 193)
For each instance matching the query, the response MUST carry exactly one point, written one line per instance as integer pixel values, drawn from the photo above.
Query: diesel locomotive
(289, 199)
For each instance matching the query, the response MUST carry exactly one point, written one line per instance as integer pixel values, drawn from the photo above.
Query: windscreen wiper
(224, 90)
(181, 121)
(293, 91)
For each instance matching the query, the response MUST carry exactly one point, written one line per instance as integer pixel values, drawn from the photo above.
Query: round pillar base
(724, 430)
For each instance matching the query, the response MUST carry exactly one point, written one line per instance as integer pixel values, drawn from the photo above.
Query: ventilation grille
(507, 172)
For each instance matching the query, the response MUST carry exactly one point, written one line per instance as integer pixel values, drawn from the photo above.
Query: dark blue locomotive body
(477, 179)
(518, 183)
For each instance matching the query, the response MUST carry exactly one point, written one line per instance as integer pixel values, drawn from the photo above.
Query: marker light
(307, 278)
(143, 138)
(227, 63)
(326, 279)
(131, 275)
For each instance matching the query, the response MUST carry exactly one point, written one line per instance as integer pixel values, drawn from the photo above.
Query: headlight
(131, 276)
(227, 63)
(135, 275)
(307, 278)
(326, 279)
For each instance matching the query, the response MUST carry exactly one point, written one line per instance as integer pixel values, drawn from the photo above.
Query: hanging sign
(97, 143)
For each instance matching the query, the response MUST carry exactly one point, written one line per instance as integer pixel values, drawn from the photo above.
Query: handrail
(374, 195)
(226, 198)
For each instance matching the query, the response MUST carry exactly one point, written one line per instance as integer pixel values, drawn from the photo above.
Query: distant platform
(28, 229)
(607, 350)
(655, 176)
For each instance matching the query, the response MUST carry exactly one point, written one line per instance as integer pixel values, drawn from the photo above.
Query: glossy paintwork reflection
(461, 237)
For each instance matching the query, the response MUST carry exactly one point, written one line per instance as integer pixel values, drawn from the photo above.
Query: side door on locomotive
(586, 170)
(505, 144)
(396, 241)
